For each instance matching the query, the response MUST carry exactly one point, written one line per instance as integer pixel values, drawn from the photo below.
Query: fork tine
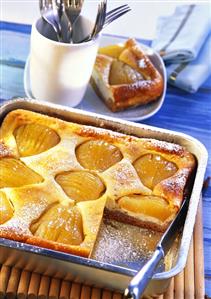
(97, 20)
(116, 16)
(79, 3)
(41, 4)
(116, 9)
(103, 14)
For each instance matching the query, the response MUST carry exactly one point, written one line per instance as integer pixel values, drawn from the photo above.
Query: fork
(73, 9)
(80, 34)
(100, 19)
(103, 19)
(50, 15)
(63, 20)
(115, 14)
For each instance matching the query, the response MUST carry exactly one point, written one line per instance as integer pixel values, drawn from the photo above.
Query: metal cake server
(140, 281)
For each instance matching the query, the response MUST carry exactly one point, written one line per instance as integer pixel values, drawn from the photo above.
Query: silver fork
(80, 34)
(115, 14)
(50, 15)
(116, 9)
(100, 19)
(73, 9)
(103, 19)
(64, 22)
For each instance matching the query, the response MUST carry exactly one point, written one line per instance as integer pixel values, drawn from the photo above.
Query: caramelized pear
(112, 50)
(152, 169)
(6, 208)
(122, 73)
(81, 185)
(15, 173)
(153, 206)
(33, 139)
(98, 155)
(61, 224)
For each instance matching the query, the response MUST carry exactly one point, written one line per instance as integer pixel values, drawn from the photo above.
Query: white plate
(91, 102)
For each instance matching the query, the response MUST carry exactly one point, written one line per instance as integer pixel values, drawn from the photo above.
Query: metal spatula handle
(140, 281)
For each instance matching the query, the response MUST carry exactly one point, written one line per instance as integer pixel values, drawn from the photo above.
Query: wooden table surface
(182, 112)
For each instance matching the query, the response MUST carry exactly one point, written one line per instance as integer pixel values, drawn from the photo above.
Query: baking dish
(91, 271)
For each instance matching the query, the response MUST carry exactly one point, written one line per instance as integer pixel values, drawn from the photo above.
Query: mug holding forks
(69, 25)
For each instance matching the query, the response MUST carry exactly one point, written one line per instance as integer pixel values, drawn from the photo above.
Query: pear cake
(59, 179)
(123, 76)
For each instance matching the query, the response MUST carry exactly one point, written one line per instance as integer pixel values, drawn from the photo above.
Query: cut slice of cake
(123, 76)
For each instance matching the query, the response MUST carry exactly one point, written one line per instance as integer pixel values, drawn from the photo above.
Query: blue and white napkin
(180, 37)
(184, 42)
(189, 76)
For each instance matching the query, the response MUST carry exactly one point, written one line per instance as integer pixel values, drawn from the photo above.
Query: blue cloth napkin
(191, 75)
(180, 36)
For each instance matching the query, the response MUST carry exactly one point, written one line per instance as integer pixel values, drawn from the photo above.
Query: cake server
(140, 281)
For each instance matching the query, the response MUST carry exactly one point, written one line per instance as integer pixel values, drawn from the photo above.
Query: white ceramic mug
(59, 72)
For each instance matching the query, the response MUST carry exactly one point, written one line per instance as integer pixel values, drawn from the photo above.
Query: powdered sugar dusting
(164, 146)
(123, 244)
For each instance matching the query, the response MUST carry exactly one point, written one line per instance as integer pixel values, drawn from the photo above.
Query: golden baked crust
(123, 76)
(57, 178)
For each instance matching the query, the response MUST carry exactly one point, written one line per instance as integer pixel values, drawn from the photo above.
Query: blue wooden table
(183, 112)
